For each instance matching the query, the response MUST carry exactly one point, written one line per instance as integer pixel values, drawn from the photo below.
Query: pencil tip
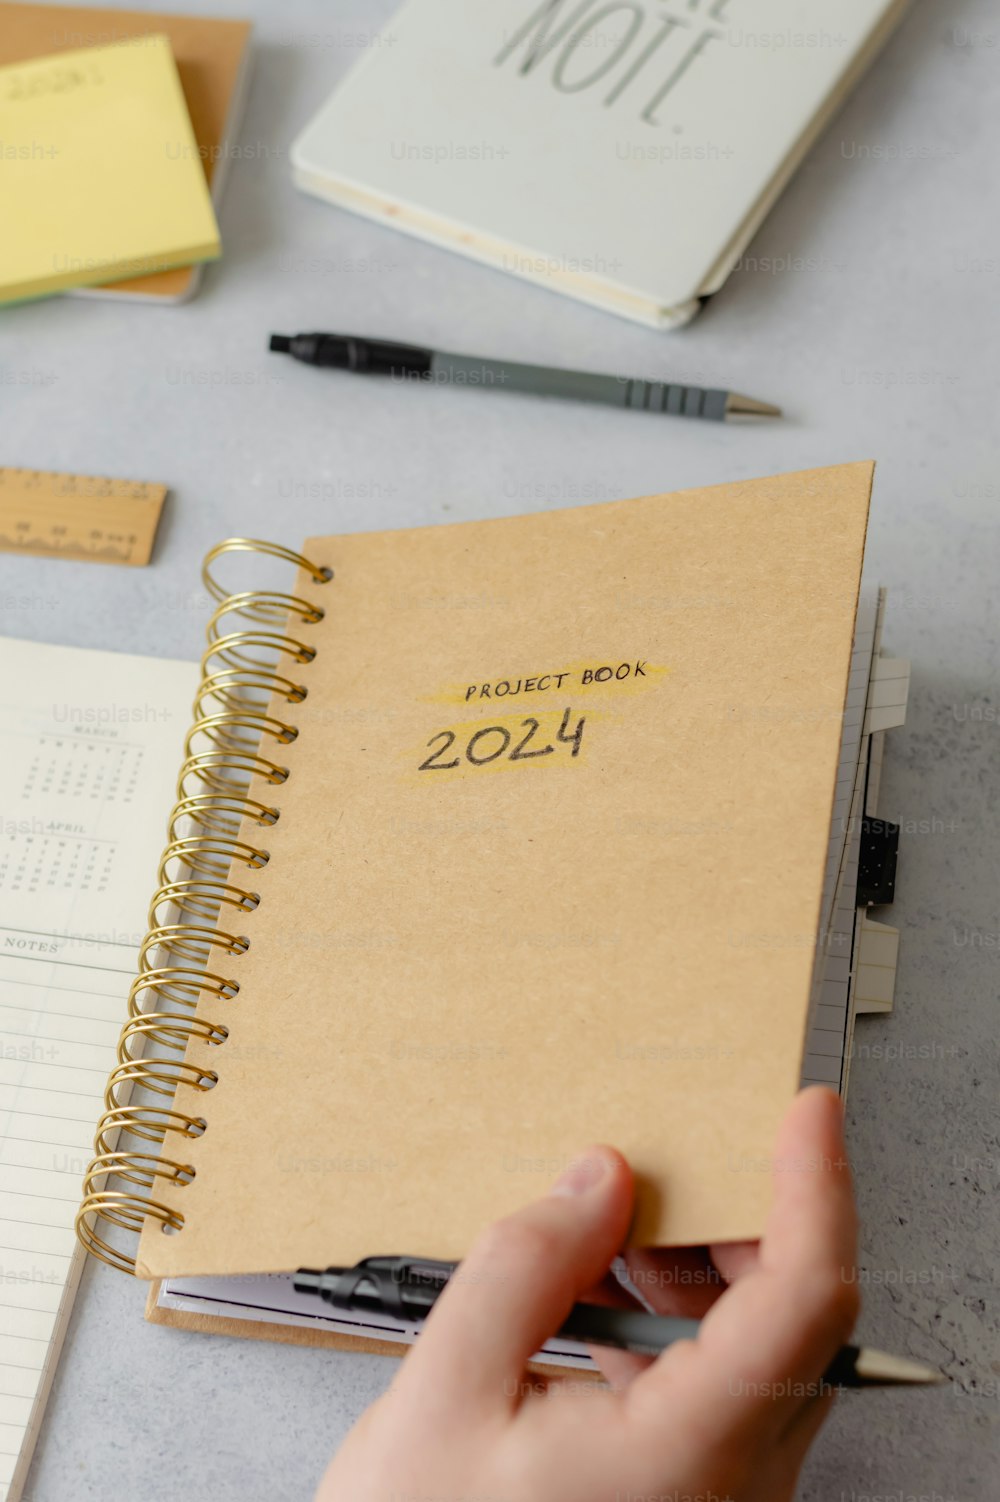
(748, 406)
(878, 1366)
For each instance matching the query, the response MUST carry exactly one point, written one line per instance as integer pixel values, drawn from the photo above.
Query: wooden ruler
(78, 516)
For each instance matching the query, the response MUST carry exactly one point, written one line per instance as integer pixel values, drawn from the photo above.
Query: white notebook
(90, 743)
(623, 154)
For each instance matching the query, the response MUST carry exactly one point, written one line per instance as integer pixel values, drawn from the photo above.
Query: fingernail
(582, 1175)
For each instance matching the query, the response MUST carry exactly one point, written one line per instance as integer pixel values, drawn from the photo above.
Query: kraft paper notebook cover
(854, 980)
(621, 154)
(213, 62)
(100, 171)
(447, 926)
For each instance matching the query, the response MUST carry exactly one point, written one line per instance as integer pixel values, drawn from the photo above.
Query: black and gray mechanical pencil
(411, 362)
(407, 1289)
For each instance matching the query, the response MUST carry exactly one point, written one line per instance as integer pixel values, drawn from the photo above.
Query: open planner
(493, 839)
(89, 743)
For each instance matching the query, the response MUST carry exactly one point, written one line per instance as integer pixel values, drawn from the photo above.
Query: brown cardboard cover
(460, 977)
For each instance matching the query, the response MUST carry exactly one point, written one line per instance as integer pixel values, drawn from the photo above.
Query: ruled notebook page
(90, 746)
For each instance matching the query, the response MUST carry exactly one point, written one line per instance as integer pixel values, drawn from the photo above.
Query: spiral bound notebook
(492, 838)
(858, 976)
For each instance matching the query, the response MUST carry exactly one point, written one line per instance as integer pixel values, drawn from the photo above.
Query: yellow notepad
(100, 175)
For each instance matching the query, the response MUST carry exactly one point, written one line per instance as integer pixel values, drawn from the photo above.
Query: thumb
(522, 1276)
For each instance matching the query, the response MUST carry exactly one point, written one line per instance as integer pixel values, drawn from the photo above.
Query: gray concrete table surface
(867, 308)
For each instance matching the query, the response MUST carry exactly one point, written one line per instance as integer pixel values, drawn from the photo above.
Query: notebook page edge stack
(832, 940)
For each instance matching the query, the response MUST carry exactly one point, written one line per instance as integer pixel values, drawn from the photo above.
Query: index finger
(519, 1281)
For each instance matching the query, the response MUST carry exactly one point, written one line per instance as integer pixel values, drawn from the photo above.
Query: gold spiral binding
(190, 941)
(182, 987)
(151, 1123)
(235, 688)
(220, 731)
(244, 675)
(169, 1031)
(222, 771)
(211, 857)
(161, 1076)
(216, 814)
(221, 596)
(202, 899)
(229, 649)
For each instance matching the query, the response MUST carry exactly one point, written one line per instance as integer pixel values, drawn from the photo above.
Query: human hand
(728, 1417)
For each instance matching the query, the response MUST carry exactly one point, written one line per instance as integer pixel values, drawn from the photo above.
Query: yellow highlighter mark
(513, 725)
(596, 676)
(502, 742)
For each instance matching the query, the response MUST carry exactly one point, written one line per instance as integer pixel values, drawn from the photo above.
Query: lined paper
(90, 745)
